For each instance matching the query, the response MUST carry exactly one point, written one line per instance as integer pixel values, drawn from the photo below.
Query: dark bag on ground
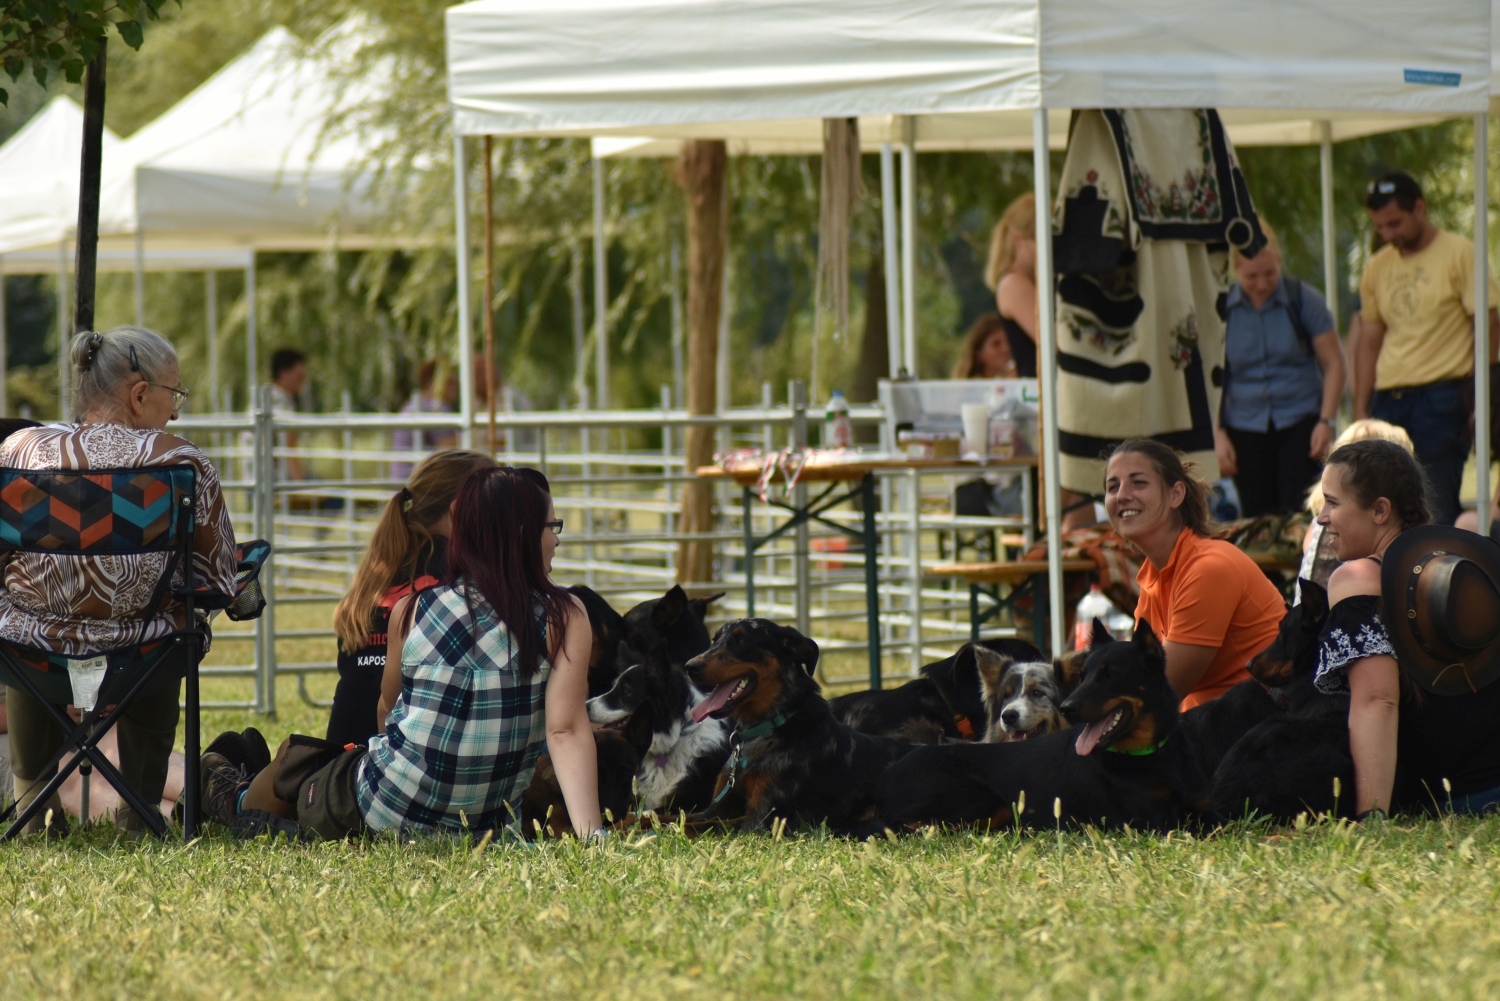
(304, 755)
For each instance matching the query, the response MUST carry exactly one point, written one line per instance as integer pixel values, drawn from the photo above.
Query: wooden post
(87, 248)
(702, 171)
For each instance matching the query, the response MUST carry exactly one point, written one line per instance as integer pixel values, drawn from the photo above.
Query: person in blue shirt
(1284, 378)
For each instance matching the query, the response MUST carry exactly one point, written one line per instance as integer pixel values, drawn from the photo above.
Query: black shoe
(222, 782)
(258, 752)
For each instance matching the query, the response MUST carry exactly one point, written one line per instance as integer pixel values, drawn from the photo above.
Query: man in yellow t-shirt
(1416, 349)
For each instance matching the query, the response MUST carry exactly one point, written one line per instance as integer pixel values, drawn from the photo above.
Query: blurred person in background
(986, 351)
(426, 399)
(1415, 364)
(1011, 273)
(1283, 383)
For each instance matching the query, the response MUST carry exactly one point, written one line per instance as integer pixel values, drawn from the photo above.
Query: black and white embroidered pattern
(1353, 631)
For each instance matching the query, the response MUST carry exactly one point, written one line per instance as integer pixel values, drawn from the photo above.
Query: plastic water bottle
(837, 431)
(1091, 606)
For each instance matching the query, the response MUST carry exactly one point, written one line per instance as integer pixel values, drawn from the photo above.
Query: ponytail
(402, 535)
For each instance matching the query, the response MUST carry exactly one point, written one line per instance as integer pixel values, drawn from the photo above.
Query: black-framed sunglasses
(556, 526)
(179, 396)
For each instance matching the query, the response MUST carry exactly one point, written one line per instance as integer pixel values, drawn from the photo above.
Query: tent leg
(601, 293)
(140, 278)
(1481, 323)
(211, 293)
(2, 337)
(1046, 324)
(909, 247)
(489, 290)
(1330, 233)
(675, 291)
(892, 259)
(580, 322)
(461, 292)
(251, 361)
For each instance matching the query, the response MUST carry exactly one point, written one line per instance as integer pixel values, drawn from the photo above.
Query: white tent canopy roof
(763, 72)
(247, 160)
(39, 176)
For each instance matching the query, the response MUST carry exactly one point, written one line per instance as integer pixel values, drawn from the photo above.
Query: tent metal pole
(140, 277)
(601, 294)
(675, 291)
(461, 292)
(892, 258)
(1482, 322)
(211, 280)
(251, 361)
(1330, 233)
(1046, 327)
(580, 321)
(489, 288)
(909, 246)
(3, 348)
(721, 355)
(62, 330)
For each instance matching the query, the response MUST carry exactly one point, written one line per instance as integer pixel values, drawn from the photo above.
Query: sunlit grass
(1403, 911)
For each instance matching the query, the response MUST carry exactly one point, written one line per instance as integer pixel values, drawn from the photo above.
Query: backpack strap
(1293, 288)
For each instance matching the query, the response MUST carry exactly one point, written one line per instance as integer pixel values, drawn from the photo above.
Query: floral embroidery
(1185, 337)
(1193, 198)
(1339, 650)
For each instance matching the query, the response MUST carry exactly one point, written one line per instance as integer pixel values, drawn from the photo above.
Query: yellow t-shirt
(1426, 302)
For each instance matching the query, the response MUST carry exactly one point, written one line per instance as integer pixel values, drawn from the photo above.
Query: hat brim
(1410, 548)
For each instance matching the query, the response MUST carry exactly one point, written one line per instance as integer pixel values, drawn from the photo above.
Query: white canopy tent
(742, 69)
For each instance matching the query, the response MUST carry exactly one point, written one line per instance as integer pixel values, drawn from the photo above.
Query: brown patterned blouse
(77, 605)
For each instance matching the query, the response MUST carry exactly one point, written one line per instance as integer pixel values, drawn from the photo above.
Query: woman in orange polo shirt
(1212, 606)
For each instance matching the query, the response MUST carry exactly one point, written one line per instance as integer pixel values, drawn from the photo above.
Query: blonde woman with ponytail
(407, 553)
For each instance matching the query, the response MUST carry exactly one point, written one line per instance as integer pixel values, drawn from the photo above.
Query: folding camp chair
(117, 512)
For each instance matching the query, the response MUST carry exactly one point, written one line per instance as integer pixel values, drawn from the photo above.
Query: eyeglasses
(179, 396)
(1383, 187)
(556, 526)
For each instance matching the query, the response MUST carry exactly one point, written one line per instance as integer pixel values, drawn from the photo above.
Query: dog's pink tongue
(715, 701)
(1089, 738)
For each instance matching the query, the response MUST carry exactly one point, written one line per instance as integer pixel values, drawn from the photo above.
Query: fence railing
(617, 479)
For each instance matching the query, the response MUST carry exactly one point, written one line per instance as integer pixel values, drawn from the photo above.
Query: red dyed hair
(496, 548)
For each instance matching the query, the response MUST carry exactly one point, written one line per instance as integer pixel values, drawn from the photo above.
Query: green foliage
(61, 36)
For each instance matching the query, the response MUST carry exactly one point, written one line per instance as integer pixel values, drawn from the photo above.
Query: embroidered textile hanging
(1149, 203)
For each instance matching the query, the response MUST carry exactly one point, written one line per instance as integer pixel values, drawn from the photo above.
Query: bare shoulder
(1354, 578)
(576, 612)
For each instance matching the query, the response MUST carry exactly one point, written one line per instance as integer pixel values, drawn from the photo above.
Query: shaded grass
(1401, 911)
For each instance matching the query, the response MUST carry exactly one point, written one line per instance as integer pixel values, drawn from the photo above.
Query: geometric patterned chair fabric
(101, 512)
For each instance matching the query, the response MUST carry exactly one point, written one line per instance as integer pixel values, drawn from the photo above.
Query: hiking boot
(253, 823)
(132, 824)
(222, 781)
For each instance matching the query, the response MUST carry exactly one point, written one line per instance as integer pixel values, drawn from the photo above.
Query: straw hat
(1442, 607)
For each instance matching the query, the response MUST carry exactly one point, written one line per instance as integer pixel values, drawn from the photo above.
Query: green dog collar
(1140, 751)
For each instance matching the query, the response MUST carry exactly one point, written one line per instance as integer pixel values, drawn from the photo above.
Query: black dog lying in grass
(1288, 763)
(790, 758)
(1126, 763)
(946, 701)
(651, 703)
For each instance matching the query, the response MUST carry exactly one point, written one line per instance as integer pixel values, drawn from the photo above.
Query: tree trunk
(85, 263)
(701, 170)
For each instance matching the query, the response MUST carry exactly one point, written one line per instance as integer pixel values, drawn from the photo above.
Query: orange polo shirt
(1211, 594)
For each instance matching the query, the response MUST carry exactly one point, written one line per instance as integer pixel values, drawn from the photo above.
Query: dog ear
(1146, 642)
(992, 667)
(1100, 635)
(1067, 670)
(699, 606)
(800, 649)
(1314, 600)
(669, 607)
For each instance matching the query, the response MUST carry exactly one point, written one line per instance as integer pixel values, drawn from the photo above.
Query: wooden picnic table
(1026, 578)
(855, 472)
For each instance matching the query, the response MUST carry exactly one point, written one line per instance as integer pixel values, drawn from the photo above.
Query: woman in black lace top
(1373, 491)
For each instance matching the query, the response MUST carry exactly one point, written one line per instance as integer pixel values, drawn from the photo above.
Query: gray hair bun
(85, 347)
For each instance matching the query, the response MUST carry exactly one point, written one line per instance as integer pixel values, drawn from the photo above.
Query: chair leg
(191, 778)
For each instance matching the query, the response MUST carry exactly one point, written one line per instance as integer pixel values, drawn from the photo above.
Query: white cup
(976, 417)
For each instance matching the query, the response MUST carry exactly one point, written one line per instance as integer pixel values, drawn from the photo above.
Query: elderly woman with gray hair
(126, 389)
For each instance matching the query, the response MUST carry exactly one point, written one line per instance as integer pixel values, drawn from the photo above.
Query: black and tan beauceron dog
(946, 701)
(790, 758)
(1287, 763)
(652, 704)
(1123, 763)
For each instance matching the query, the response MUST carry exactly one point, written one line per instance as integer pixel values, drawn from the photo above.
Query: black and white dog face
(1022, 698)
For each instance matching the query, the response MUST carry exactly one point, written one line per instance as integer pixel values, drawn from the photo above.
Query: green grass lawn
(1408, 910)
